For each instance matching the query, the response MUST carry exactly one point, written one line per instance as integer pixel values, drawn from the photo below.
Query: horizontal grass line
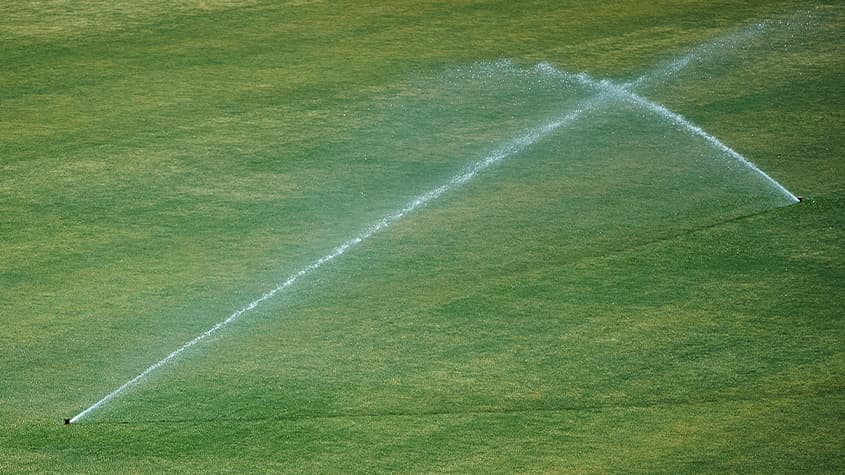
(655, 403)
(691, 231)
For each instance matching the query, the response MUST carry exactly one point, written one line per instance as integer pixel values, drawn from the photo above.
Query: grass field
(614, 295)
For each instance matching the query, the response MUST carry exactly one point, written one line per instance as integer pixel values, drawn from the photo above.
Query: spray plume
(605, 90)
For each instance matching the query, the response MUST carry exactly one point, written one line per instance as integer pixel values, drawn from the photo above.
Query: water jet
(603, 93)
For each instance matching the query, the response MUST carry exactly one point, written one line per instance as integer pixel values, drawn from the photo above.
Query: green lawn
(615, 296)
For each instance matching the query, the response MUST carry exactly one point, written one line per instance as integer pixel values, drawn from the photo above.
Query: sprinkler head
(67, 422)
(800, 198)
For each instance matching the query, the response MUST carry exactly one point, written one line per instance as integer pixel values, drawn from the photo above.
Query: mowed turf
(616, 297)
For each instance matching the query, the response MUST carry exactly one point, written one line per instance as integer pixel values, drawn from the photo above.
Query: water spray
(604, 91)
(516, 145)
(623, 91)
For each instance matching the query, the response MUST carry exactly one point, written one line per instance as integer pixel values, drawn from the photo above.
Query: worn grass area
(616, 297)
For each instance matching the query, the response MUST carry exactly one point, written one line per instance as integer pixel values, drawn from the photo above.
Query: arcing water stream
(605, 91)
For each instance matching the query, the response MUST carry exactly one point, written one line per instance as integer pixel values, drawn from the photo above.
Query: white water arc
(716, 143)
(623, 92)
(514, 146)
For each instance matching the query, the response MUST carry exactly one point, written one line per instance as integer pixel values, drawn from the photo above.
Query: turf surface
(617, 296)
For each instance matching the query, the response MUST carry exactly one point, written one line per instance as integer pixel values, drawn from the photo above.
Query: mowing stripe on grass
(606, 90)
